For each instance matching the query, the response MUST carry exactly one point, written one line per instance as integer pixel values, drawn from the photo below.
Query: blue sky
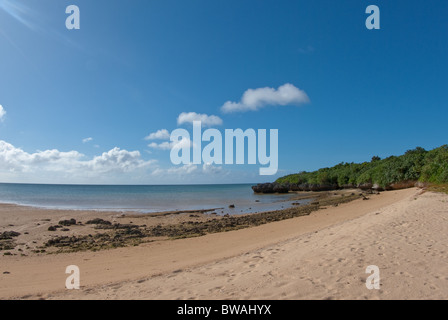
(135, 66)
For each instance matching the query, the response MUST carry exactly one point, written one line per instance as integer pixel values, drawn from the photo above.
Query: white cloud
(254, 99)
(159, 135)
(185, 169)
(116, 166)
(21, 166)
(16, 160)
(208, 121)
(211, 169)
(87, 140)
(166, 145)
(2, 113)
(118, 160)
(161, 146)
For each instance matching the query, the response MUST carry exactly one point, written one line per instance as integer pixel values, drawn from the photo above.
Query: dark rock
(365, 186)
(52, 228)
(7, 245)
(67, 223)
(232, 206)
(280, 188)
(7, 235)
(323, 187)
(402, 185)
(99, 221)
(116, 226)
(270, 188)
(263, 188)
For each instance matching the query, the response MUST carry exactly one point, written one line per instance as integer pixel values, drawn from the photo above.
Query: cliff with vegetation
(415, 167)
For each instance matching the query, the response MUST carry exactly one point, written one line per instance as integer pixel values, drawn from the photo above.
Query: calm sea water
(142, 198)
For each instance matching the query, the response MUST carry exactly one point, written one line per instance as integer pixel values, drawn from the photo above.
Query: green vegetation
(415, 165)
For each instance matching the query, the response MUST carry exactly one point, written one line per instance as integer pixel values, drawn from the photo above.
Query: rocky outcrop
(402, 185)
(99, 221)
(270, 188)
(7, 235)
(7, 242)
(67, 223)
(280, 188)
(285, 188)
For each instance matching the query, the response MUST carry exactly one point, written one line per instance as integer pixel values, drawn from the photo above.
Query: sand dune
(321, 256)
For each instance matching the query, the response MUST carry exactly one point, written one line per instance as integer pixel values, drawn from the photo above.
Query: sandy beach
(322, 255)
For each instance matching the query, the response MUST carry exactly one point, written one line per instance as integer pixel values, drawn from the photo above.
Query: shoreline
(138, 199)
(27, 231)
(43, 276)
(266, 206)
(294, 196)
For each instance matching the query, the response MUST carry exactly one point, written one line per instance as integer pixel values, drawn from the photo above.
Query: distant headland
(417, 167)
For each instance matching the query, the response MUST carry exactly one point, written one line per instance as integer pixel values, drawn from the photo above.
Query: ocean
(143, 198)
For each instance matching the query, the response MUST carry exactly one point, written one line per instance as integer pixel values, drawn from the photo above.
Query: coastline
(47, 231)
(151, 264)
